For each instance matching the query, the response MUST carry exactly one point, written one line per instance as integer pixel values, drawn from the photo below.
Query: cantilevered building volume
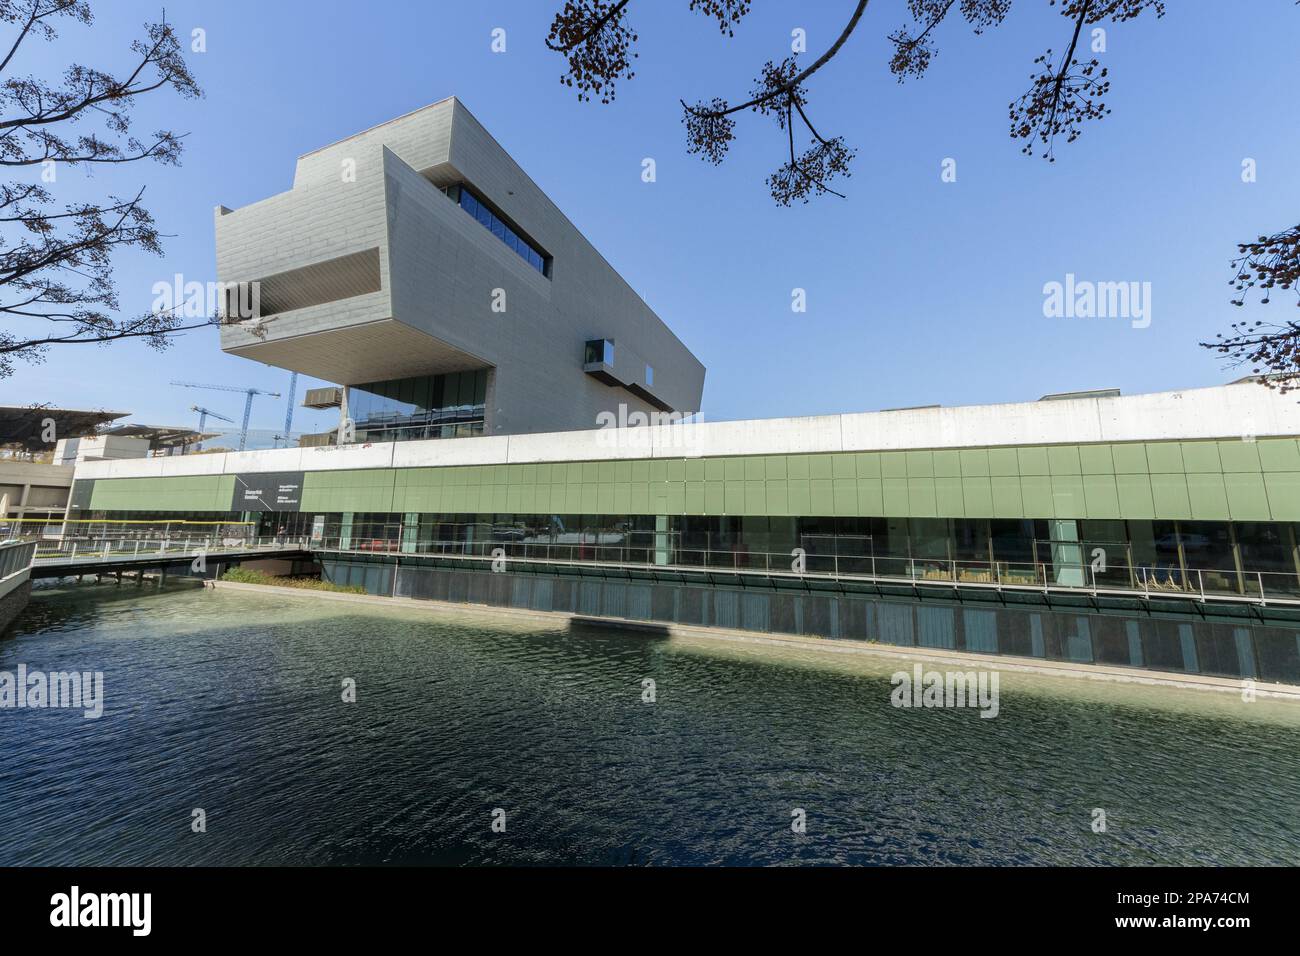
(1155, 531)
(417, 264)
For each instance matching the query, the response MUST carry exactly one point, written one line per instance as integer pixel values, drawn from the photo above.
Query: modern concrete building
(1155, 531)
(33, 491)
(972, 527)
(416, 264)
(37, 492)
(32, 486)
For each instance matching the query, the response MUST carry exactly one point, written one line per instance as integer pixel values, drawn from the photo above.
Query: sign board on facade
(268, 491)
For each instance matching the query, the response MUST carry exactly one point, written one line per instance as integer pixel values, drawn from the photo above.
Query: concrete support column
(1236, 558)
(491, 417)
(1295, 549)
(1182, 554)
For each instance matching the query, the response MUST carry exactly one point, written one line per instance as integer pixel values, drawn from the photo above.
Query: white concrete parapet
(1239, 411)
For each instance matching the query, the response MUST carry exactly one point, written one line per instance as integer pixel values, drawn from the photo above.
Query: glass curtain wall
(411, 409)
(1232, 558)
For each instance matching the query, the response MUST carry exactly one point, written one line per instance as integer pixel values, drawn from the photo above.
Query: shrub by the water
(244, 576)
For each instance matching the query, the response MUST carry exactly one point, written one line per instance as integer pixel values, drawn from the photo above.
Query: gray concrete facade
(367, 271)
(33, 490)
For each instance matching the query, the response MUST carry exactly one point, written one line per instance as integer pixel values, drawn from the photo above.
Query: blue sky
(918, 291)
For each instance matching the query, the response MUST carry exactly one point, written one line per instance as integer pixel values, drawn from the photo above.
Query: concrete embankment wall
(14, 600)
(1183, 645)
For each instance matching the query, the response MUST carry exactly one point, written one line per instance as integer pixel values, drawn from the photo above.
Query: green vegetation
(243, 576)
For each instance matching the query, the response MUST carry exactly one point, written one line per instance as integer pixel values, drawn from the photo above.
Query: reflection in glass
(598, 350)
(413, 409)
(462, 196)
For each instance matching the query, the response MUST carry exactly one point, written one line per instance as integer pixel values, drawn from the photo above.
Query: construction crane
(248, 402)
(203, 420)
(288, 414)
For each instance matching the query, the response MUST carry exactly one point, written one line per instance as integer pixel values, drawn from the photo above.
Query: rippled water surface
(231, 702)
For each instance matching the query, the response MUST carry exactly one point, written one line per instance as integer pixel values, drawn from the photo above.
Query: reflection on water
(232, 702)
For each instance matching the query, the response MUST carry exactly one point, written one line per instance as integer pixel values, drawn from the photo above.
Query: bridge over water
(109, 555)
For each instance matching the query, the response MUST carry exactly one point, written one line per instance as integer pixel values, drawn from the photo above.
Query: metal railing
(57, 528)
(85, 551)
(15, 557)
(663, 551)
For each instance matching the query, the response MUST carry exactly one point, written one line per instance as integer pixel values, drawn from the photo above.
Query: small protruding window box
(598, 361)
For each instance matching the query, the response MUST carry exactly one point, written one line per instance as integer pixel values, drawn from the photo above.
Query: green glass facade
(1196, 517)
(1187, 481)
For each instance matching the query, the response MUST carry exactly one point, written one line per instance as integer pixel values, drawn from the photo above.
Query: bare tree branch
(58, 267)
(790, 85)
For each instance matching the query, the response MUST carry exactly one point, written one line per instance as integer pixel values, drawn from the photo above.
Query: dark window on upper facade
(464, 197)
(598, 350)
